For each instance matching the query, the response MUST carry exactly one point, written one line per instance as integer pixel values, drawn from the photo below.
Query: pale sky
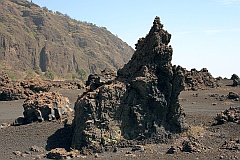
(205, 33)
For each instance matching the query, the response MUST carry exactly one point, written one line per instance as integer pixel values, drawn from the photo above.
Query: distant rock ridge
(140, 104)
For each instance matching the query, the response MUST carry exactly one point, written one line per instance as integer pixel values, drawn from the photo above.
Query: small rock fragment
(17, 153)
(171, 150)
(138, 148)
(57, 153)
(37, 149)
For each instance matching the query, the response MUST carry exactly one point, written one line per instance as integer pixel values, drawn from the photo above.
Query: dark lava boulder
(232, 95)
(46, 106)
(236, 80)
(140, 104)
(234, 76)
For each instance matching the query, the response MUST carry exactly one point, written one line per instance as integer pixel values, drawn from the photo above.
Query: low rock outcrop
(46, 106)
(229, 115)
(10, 90)
(192, 145)
(61, 153)
(35, 85)
(57, 153)
(202, 79)
(140, 104)
(233, 96)
(231, 145)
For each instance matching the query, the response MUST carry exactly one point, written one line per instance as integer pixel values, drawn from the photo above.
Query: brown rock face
(34, 40)
(141, 104)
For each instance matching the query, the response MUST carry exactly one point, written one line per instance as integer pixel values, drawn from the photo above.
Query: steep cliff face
(37, 40)
(140, 105)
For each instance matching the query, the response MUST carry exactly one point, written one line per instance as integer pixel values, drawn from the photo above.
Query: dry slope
(36, 40)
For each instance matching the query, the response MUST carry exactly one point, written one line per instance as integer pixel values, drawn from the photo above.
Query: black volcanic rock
(141, 104)
(236, 80)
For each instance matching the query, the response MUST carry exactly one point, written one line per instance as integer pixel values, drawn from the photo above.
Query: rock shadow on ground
(62, 138)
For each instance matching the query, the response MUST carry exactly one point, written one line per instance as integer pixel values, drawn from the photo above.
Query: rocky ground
(207, 141)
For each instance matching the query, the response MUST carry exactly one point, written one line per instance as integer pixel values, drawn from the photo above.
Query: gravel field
(199, 106)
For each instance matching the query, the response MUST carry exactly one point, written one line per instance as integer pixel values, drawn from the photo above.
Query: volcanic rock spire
(154, 82)
(141, 104)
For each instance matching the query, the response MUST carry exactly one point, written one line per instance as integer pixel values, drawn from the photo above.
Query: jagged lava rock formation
(202, 79)
(141, 104)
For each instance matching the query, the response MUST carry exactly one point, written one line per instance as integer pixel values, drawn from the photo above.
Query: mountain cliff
(37, 41)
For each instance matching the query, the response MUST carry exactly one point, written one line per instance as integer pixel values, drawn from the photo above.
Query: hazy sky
(205, 33)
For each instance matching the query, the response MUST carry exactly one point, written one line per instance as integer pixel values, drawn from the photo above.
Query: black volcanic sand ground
(200, 111)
